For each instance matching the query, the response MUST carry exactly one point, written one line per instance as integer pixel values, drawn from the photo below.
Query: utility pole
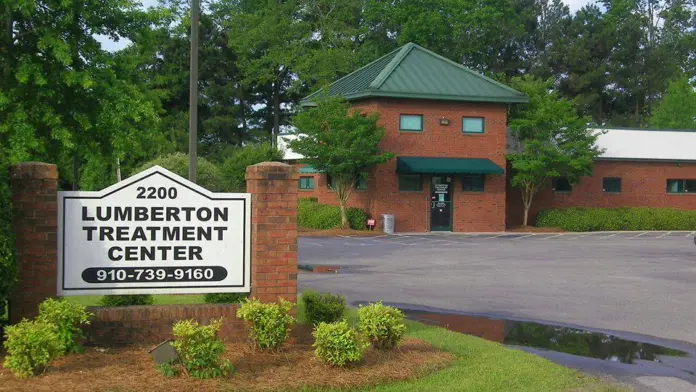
(193, 93)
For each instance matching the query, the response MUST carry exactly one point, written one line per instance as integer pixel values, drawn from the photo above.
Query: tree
(341, 142)
(553, 140)
(234, 167)
(677, 110)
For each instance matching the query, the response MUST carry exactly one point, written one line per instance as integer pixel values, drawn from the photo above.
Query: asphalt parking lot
(637, 282)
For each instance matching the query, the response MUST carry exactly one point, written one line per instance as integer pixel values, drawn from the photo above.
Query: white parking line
(312, 243)
(553, 236)
(608, 236)
(666, 234)
(496, 236)
(691, 234)
(636, 236)
(580, 236)
(524, 236)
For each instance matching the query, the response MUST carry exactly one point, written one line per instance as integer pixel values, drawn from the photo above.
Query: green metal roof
(421, 165)
(415, 72)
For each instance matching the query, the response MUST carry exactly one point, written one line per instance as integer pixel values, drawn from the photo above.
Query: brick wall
(34, 198)
(115, 326)
(273, 188)
(643, 184)
(471, 211)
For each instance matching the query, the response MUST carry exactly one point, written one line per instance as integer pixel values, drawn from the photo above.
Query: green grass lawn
(480, 365)
(485, 366)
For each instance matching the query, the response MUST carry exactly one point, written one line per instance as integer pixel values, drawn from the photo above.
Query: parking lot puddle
(561, 339)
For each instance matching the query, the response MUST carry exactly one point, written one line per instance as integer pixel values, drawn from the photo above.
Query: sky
(110, 45)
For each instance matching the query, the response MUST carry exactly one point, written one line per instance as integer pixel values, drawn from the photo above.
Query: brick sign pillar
(34, 188)
(273, 188)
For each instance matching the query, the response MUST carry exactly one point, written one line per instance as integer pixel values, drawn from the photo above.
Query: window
(473, 125)
(681, 186)
(411, 123)
(360, 183)
(473, 183)
(306, 182)
(611, 185)
(410, 182)
(561, 185)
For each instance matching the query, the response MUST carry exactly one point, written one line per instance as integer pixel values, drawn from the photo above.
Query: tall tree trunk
(527, 195)
(344, 216)
(276, 113)
(343, 187)
(8, 43)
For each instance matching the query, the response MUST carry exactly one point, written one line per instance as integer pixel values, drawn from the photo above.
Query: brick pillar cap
(34, 170)
(261, 170)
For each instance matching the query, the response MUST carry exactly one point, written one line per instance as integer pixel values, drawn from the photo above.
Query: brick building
(447, 126)
(638, 168)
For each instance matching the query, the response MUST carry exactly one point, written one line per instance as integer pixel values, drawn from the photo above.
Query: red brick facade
(472, 211)
(643, 184)
(273, 188)
(35, 200)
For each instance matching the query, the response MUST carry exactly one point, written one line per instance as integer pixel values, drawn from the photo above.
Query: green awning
(427, 165)
(308, 170)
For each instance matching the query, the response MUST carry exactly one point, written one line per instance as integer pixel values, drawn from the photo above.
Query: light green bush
(269, 323)
(207, 174)
(313, 215)
(199, 350)
(67, 316)
(234, 167)
(31, 346)
(382, 325)
(323, 307)
(225, 298)
(615, 219)
(127, 300)
(337, 344)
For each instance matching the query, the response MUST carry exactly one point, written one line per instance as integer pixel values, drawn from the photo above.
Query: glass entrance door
(441, 204)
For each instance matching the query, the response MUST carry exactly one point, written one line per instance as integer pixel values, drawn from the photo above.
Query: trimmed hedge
(313, 215)
(615, 219)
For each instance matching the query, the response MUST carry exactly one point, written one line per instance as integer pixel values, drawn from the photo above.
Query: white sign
(153, 233)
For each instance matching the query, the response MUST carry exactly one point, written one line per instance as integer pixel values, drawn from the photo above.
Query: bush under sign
(153, 233)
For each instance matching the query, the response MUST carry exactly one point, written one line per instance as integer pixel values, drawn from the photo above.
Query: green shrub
(234, 167)
(67, 316)
(199, 349)
(127, 300)
(269, 323)
(225, 298)
(207, 174)
(616, 219)
(337, 344)
(323, 307)
(31, 346)
(382, 325)
(313, 215)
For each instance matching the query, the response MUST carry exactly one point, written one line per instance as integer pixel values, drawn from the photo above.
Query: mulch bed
(131, 369)
(304, 232)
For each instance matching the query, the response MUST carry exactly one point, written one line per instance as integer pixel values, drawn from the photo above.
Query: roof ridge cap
(387, 71)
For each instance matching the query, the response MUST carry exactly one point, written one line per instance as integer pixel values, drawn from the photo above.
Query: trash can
(388, 223)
